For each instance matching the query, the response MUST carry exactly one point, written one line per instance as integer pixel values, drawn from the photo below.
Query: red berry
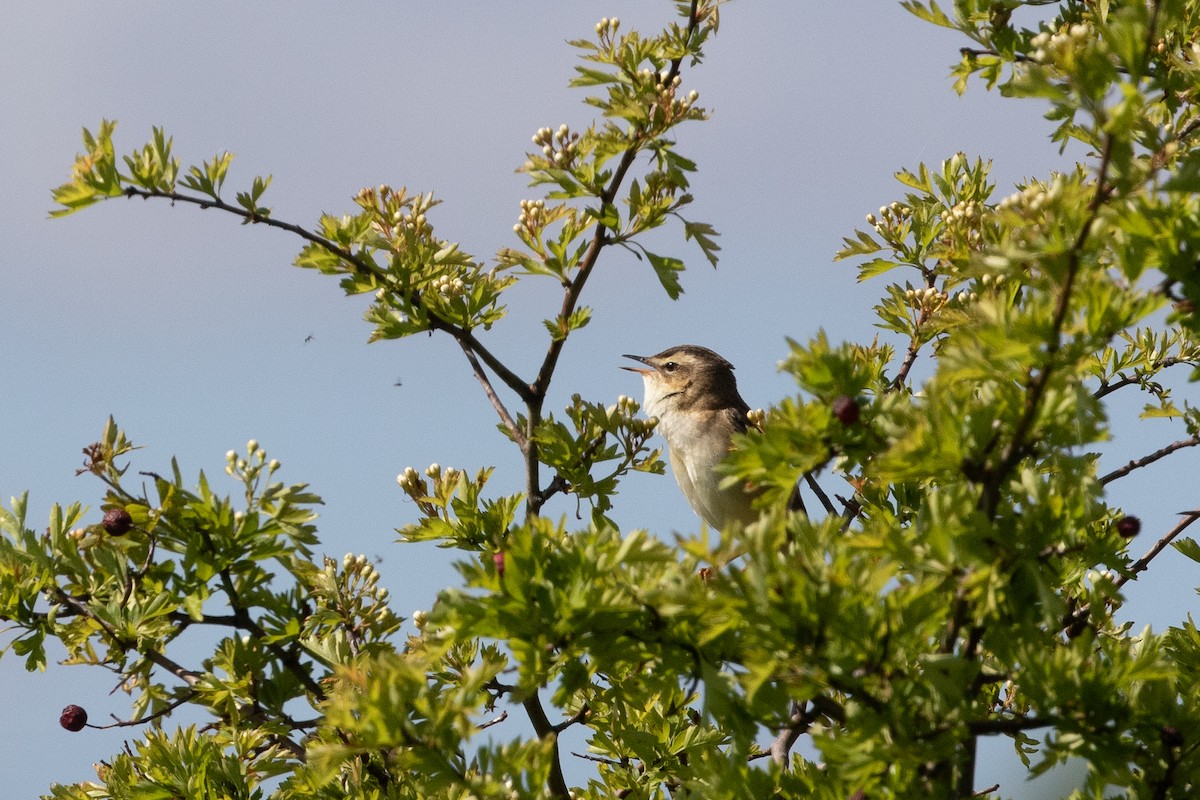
(846, 409)
(117, 522)
(1171, 736)
(1129, 527)
(498, 560)
(73, 718)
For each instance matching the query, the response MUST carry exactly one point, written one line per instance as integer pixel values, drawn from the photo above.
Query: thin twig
(914, 345)
(359, 265)
(1150, 459)
(509, 423)
(484, 725)
(184, 674)
(1142, 563)
(1158, 366)
(820, 493)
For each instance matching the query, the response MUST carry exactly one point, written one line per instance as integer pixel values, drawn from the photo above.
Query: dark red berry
(73, 718)
(498, 560)
(1129, 527)
(846, 409)
(1171, 736)
(117, 522)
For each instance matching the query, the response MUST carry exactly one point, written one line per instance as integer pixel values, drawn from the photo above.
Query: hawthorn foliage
(957, 578)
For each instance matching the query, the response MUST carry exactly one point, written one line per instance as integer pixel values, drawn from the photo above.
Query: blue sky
(191, 329)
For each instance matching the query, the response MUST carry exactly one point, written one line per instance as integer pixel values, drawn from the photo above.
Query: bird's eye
(670, 366)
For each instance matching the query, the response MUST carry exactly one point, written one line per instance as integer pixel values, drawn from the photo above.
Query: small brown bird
(693, 393)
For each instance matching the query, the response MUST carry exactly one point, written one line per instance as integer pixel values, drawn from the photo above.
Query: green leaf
(704, 235)
(667, 269)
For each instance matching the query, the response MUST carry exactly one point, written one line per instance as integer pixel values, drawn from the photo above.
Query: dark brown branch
(541, 384)
(820, 493)
(992, 727)
(1037, 384)
(1142, 563)
(506, 419)
(153, 656)
(127, 723)
(971, 52)
(1150, 459)
(575, 719)
(543, 728)
(360, 265)
(496, 721)
(914, 346)
(1108, 388)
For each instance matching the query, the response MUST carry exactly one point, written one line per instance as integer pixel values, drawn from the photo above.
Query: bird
(694, 394)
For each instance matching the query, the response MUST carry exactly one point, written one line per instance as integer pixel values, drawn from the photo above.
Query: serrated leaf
(703, 233)
(1189, 547)
(667, 269)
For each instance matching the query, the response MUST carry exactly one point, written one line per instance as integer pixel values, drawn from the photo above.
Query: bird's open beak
(638, 370)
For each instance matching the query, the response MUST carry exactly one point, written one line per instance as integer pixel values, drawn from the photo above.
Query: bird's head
(687, 377)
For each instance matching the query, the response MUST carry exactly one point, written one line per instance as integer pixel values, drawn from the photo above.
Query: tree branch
(573, 289)
(465, 338)
(506, 419)
(1142, 563)
(1036, 385)
(153, 656)
(543, 728)
(1108, 388)
(1150, 459)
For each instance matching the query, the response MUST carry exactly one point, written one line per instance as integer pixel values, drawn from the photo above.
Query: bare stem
(1138, 463)
(1142, 563)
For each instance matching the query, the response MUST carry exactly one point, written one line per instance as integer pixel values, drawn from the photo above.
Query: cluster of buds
(965, 297)
(449, 287)
(412, 483)
(416, 487)
(440, 476)
(360, 568)
(889, 216)
(965, 211)
(927, 299)
(1094, 576)
(964, 219)
(401, 219)
(757, 418)
(674, 108)
(662, 84)
(1051, 48)
(559, 147)
(532, 218)
(607, 26)
(394, 211)
(356, 596)
(625, 412)
(1034, 198)
(989, 281)
(249, 467)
